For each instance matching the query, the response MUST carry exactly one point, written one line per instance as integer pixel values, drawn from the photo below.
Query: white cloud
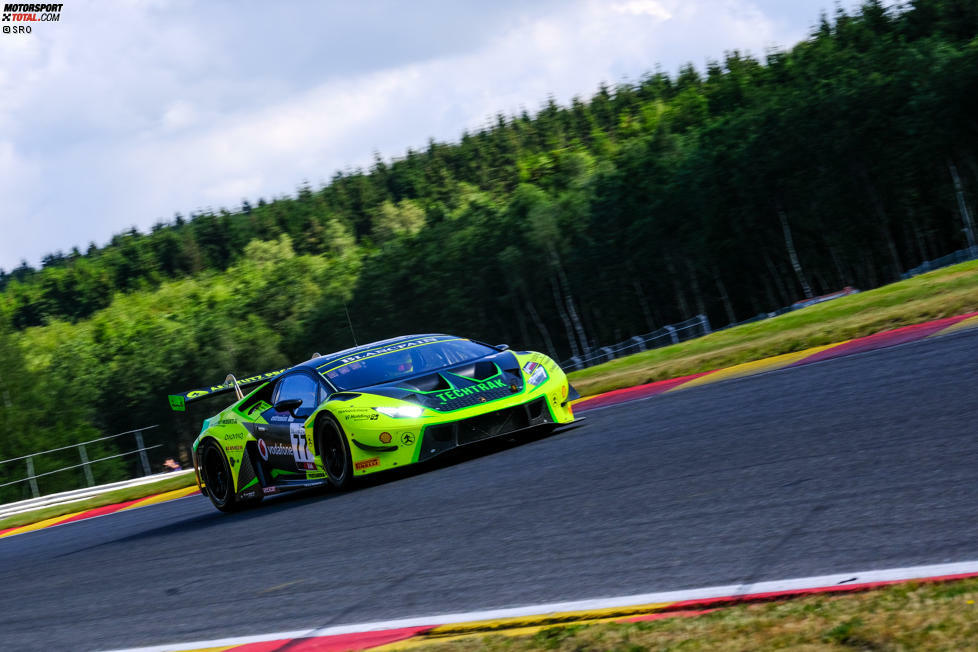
(181, 114)
(643, 7)
(127, 112)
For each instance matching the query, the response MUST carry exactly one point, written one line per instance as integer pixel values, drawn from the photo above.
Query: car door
(282, 444)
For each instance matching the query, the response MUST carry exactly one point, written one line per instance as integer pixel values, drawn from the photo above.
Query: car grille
(440, 438)
(493, 424)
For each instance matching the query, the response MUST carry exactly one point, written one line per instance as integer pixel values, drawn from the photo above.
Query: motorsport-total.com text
(29, 13)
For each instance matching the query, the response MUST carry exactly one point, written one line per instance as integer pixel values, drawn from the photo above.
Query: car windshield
(409, 358)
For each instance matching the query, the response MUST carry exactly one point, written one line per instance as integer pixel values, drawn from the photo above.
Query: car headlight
(537, 374)
(401, 411)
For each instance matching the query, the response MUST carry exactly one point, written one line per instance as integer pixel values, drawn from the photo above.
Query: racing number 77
(300, 446)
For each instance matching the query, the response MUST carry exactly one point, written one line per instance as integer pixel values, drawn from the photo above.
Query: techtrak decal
(485, 386)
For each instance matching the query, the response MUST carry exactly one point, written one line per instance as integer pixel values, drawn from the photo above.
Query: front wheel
(217, 477)
(334, 450)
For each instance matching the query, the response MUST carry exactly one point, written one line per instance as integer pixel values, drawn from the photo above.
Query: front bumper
(380, 443)
(442, 437)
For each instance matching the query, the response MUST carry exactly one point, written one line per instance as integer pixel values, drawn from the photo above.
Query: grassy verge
(900, 617)
(942, 293)
(108, 498)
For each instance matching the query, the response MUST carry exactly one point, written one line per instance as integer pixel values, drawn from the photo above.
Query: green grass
(942, 293)
(912, 616)
(108, 498)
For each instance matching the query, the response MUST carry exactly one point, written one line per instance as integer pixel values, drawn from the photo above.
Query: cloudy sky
(126, 112)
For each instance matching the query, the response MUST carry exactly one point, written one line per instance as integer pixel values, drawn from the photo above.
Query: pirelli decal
(366, 464)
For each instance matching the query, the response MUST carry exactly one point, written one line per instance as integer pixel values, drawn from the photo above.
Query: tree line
(729, 191)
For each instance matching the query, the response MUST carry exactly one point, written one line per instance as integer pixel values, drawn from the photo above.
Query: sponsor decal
(234, 448)
(366, 464)
(227, 421)
(263, 449)
(232, 436)
(269, 490)
(306, 466)
(362, 417)
(315, 476)
(385, 438)
(484, 386)
(204, 391)
(278, 449)
(407, 439)
(387, 349)
(252, 379)
(247, 495)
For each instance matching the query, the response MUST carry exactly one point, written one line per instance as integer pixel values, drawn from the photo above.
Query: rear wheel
(334, 450)
(217, 477)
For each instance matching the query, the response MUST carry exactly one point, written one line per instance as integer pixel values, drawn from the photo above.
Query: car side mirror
(502, 347)
(288, 405)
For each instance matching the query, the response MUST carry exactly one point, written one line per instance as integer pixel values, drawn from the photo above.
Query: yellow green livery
(369, 409)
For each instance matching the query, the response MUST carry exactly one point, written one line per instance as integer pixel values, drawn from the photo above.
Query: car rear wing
(178, 402)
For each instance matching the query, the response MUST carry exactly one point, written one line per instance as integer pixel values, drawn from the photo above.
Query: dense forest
(729, 191)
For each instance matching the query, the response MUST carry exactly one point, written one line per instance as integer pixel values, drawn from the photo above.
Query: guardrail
(86, 463)
(78, 495)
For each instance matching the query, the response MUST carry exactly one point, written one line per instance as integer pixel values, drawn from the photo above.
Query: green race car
(368, 409)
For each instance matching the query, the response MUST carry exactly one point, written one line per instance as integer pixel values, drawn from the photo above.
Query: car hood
(472, 383)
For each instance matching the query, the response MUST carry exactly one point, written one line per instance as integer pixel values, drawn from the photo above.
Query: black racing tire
(334, 451)
(216, 474)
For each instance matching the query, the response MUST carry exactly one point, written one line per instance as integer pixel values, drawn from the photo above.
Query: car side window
(298, 386)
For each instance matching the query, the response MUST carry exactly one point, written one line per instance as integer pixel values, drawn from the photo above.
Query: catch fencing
(693, 327)
(699, 325)
(952, 258)
(85, 463)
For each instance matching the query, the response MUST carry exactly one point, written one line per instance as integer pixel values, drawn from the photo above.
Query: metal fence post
(640, 342)
(89, 479)
(672, 334)
(142, 453)
(31, 479)
(705, 323)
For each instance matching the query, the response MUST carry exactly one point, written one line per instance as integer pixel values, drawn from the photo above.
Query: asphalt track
(863, 462)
